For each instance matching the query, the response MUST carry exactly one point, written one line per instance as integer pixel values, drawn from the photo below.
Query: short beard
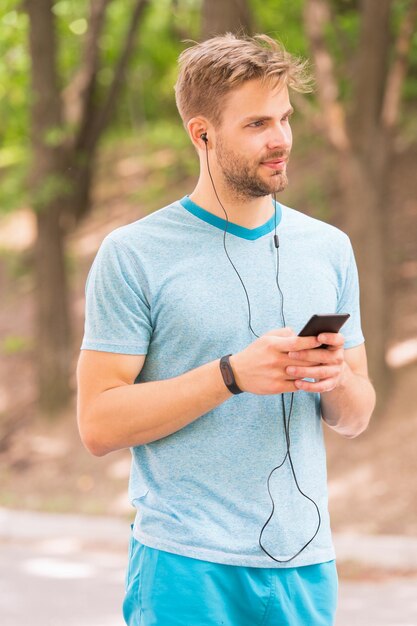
(242, 180)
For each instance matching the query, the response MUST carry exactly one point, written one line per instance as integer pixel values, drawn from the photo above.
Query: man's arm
(349, 406)
(114, 413)
(349, 400)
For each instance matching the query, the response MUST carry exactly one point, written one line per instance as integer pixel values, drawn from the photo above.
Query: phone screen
(324, 324)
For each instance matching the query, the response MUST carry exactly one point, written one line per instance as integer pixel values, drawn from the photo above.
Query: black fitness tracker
(228, 376)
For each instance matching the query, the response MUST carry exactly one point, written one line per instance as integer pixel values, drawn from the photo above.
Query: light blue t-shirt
(163, 286)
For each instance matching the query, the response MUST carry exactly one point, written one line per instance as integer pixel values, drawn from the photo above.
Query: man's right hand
(260, 367)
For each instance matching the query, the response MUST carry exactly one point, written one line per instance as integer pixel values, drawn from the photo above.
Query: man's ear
(198, 126)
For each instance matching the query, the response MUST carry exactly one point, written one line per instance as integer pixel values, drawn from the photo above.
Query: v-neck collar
(234, 229)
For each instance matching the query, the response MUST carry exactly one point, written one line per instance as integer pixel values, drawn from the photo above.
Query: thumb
(282, 332)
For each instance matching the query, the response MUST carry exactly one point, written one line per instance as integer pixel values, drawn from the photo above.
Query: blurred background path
(68, 570)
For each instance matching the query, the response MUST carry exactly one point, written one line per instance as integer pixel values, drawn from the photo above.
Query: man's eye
(256, 124)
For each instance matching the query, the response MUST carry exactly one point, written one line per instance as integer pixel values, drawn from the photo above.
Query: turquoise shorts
(167, 589)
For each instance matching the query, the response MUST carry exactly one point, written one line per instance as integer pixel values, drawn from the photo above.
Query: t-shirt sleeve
(349, 301)
(117, 310)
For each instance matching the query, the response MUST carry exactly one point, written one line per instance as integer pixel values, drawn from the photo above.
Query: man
(168, 299)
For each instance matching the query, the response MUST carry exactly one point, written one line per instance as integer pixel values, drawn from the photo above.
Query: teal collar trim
(234, 229)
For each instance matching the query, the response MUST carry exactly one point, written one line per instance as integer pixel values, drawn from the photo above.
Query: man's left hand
(327, 365)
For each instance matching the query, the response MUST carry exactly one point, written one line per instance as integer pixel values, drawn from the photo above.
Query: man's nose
(281, 137)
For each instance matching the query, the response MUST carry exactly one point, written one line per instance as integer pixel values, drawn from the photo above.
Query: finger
(281, 332)
(319, 355)
(289, 387)
(300, 363)
(321, 386)
(318, 373)
(296, 343)
(332, 339)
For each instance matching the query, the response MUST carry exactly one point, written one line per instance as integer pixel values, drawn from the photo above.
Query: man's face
(254, 140)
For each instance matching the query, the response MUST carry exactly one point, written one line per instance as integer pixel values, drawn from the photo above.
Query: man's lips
(276, 164)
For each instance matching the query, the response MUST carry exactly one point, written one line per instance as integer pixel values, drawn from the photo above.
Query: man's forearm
(348, 408)
(131, 415)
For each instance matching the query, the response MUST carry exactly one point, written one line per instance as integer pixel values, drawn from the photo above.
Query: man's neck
(249, 213)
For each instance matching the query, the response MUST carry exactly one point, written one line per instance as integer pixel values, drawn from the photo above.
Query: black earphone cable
(224, 241)
(285, 423)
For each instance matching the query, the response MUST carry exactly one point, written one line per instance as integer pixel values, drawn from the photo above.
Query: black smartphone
(324, 324)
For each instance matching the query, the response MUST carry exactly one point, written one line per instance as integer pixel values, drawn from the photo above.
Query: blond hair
(213, 68)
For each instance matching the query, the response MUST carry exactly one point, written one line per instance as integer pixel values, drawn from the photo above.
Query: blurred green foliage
(14, 98)
(15, 344)
(52, 186)
(283, 21)
(147, 105)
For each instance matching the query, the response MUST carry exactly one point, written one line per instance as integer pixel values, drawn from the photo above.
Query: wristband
(228, 376)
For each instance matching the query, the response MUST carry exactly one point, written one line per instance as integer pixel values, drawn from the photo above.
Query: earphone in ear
(203, 136)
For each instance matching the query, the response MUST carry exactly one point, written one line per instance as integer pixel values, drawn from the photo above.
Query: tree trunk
(221, 16)
(54, 336)
(364, 216)
(48, 192)
(363, 142)
(368, 188)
